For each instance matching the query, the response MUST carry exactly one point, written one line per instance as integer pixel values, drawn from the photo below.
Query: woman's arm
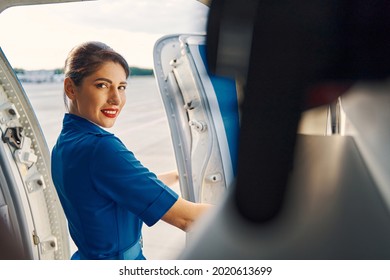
(183, 213)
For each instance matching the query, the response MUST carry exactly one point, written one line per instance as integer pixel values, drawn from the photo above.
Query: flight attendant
(106, 193)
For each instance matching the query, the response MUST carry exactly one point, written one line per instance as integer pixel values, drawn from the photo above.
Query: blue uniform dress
(105, 191)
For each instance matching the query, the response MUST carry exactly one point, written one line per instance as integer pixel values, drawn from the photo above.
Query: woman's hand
(169, 178)
(183, 213)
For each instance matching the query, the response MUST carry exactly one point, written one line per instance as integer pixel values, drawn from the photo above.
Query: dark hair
(87, 58)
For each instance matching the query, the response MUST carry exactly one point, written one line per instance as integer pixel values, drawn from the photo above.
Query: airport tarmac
(143, 128)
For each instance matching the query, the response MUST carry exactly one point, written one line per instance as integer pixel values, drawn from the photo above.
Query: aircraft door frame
(29, 204)
(203, 116)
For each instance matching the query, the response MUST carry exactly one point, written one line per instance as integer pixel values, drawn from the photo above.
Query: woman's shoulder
(112, 153)
(109, 144)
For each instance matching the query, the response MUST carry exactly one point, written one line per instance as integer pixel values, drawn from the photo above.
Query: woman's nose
(114, 98)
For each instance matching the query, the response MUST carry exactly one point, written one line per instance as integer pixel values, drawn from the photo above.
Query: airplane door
(203, 117)
(29, 206)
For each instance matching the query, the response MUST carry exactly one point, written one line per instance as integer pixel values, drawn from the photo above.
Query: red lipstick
(110, 113)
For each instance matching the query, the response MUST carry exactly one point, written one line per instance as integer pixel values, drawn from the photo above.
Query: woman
(105, 191)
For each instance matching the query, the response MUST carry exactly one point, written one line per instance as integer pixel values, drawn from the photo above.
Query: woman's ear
(70, 88)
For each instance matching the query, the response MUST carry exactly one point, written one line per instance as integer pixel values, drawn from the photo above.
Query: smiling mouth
(110, 113)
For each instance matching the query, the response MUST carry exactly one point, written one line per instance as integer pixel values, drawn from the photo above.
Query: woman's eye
(122, 87)
(101, 85)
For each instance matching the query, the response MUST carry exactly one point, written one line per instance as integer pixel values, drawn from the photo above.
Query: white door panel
(28, 200)
(203, 115)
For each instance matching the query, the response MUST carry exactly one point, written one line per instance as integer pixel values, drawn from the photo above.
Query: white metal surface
(4, 4)
(195, 118)
(33, 209)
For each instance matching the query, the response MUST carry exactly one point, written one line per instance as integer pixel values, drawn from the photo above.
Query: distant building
(40, 76)
(56, 75)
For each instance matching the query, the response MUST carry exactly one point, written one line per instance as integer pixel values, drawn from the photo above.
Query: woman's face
(101, 96)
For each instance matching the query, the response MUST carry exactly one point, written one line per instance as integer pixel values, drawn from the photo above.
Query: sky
(40, 36)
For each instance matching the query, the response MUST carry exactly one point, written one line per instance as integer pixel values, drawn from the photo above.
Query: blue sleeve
(119, 176)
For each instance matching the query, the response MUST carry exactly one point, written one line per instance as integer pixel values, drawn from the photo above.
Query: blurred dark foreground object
(306, 197)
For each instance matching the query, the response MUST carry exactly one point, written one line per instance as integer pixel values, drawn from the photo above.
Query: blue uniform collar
(84, 125)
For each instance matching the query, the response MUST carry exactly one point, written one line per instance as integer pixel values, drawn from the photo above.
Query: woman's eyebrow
(108, 80)
(103, 79)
